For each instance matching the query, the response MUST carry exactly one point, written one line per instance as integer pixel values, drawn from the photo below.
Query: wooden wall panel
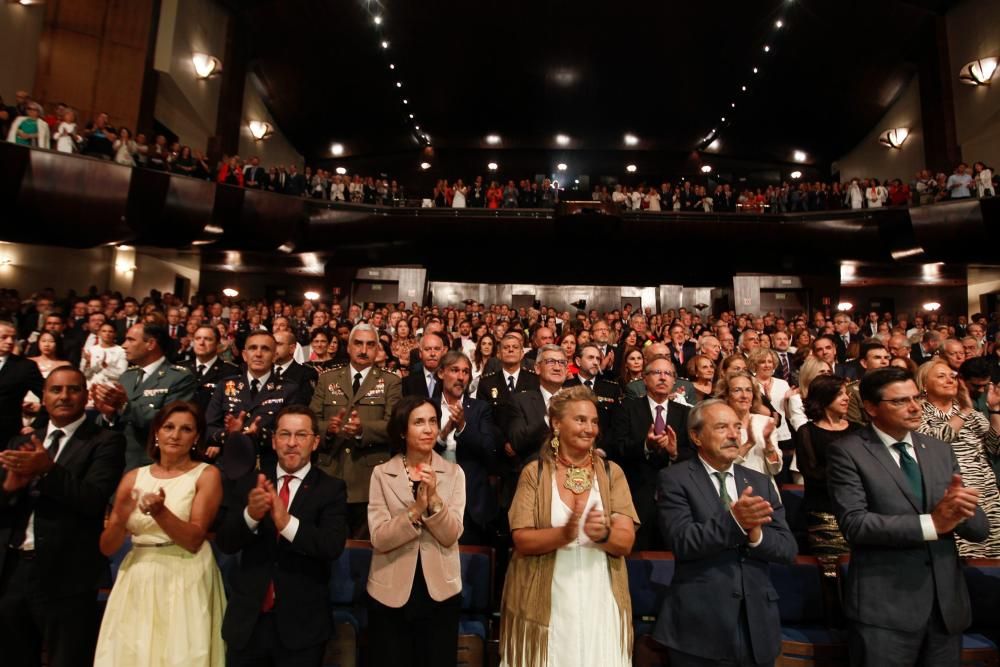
(128, 23)
(86, 16)
(120, 84)
(71, 71)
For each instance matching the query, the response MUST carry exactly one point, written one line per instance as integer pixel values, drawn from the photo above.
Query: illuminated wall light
(800, 156)
(561, 166)
(392, 66)
(894, 138)
(230, 292)
(492, 166)
(385, 44)
(755, 70)
(205, 65)
(706, 169)
(796, 175)
(311, 295)
(259, 129)
(337, 149)
(767, 49)
(932, 306)
(715, 145)
(425, 165)
(845, 306)
(493, 139)
(562, 139)
(779, 24)
(341, 170)
(631, 168)
(631, 140)
(377, 20)
(125, 266)
(978, 72)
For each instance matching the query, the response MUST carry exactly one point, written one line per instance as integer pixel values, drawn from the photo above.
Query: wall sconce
(230, 292)
(259, 129)
(894, 138)
(796, 174)
(931, 306)
(978, 72)
(206, 65)
(311, 295)
(844, 306)
(124, 266)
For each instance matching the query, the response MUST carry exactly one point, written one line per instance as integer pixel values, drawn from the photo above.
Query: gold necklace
(577, 477)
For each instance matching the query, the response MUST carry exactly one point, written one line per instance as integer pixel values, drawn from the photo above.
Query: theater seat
(793, 498)
(114, 562)
(981, 640)
(649, 576)
(805, 637)
(477, 592)
(348, 580)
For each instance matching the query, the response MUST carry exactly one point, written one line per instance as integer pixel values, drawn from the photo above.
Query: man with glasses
(899, 500)
(528, 423)
(288, 521)
(647, 435)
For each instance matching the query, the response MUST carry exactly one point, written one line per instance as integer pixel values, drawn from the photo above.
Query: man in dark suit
(528, 425)
(242, 413)
(608, 393)
(289, 370)
(681, 348)
(787, 368)
(928, 346)
(130, 317)
(899, 500)
(424, 381)
(208, 369)
(288, 522)
(18, 376)
(56, 485)
(254, 175)
(469, 437)
(725, 524)
(825, 349)
(295, 183)
(843, 336)
(647, 435)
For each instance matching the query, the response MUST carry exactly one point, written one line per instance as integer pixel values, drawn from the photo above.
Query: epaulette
(532, 371)
(489, 375)
(180, 368)
(133, 368)
(330, 370)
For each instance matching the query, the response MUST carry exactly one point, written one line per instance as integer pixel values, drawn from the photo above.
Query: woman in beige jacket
(415, 509)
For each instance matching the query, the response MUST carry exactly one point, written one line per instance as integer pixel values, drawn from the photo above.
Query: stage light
(337, 149)
(562, 139)
(205, 65)
(259, 129)
(631, 168)
(894, 138)
(978, 72)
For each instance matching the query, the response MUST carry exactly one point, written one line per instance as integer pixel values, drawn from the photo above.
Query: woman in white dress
(566, 599)
(125, 148)
(167, 603)
(65, 136)
(653, 200)
(758, 441)
(458, 194)
(105, 362)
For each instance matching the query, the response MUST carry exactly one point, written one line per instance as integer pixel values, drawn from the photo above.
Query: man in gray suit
(899, 501)
(725, 524)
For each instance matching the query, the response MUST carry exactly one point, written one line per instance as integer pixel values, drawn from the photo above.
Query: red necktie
(268, 603)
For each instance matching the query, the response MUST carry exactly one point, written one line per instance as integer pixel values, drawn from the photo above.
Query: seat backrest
(477, 579)
(649, 576)
(350, 574)
(983, 578)
(800, 591)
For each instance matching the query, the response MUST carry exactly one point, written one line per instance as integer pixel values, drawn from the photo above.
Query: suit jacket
(842, 348)
(396, 542)
(689, 350)
(717, 572)
(526, 427)
(255, 177)
(493, 389)
(918, 355)
(169, 383)
(295, 184)
(300, 569)
(121, 328)
(895, 575)
(793, 367)
(609, 396)
(17, 377)
(305, 377)
(476, 451)
(218, 371)
(341, 455)
(231, 396)
(415, 384)
(627, 446)
(69, 505)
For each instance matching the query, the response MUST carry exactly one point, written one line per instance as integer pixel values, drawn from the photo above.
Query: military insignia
(155, 392)
(161, 373)
(240, 386)
(494, 392)
(335, 390)
(269, 387)
(231, 389)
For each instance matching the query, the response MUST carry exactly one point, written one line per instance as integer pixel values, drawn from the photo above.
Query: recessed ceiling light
(630, 168)
(755, 70)
(406, 101)
(385, 44)
(576, 181)
(631, 140)
(562, 139)
(561, 166)
(779, 24)
(411, 116)
(492, 166)
(800, 156)
(706, 169)
(341, 170)
(416, 127)
(337, 149)
(767, 49)
(425, 165)
(493, 139)
(723, 119)
(733, 105)
(796, 174)
(378, 20)
(744, 89)
(399, 84)
(392, 66)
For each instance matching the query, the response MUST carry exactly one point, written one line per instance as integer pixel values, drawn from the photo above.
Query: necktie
(510, 383)
(57, 436)
(283, 494)
(138, 378)
(911, 470)
(590, 384)
(659, 424)
(254, 388)
(430, 385)
(785, 369)
(277, 372)
(727, 502)
(357, 383)
(201, 370)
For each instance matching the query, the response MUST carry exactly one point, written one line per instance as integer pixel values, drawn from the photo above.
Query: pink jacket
(395, 540)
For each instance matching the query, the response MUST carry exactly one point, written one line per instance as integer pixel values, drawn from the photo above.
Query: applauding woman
(166, 606)
(566, 599)
(415, 508)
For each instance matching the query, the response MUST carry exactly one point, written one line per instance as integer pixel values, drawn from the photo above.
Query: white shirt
(3, 360)
(734, 495)
(926, 522)
(507, 377)
(364, 374)
(284, 367)
(292, 528)
(450, 442)
(69, 430)
(207, 364)
(152, 368)
(261, 381)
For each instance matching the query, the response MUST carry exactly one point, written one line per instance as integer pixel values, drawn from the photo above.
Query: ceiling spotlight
(706, 169)
(576, 181)
(406, 101)
(755, 70)
(932, 306)
(732, 104)
(796, 175)
(337, 149)
(492, 166)
(425, 165)
(800, 156)
(399, 84)
(259, 129)
(341, 170)
(978, 72)
(631, 140)
(411, 116)
(493, 139)
(416, 127)
(561, 166)
(714, 146)
(392, 66)
(894, 138)
(723, 119)
(377, 20)
(205, 65)
(845, 306)
(312, 296)
(767, 49)
(385, 44)
(744, 88)
(230, 292)
(779, 24)
(562, 139)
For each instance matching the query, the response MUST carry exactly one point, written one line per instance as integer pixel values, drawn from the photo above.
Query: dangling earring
(554, 443)
(156, 443)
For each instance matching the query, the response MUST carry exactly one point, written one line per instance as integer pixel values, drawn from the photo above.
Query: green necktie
(911, 470)
(727, 502)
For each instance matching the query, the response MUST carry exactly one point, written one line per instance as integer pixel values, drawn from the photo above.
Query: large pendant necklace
(577, 477)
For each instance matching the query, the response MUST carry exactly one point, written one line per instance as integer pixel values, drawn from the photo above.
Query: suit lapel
(74, 447)
(881, 454)
(399, 481)
(302, 494)
(706, 485)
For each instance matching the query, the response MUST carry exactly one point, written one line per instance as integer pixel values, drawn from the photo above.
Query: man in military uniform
(609, 394)
(242, 413)
(498, 388)
(354, 404)
(149, 383)
(206, 366)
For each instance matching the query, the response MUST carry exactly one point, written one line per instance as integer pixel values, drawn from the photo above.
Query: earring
(554, 443)
(156, 443)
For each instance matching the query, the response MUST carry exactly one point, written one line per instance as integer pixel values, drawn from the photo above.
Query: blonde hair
(758, 354)
(810, 369)
(722, 387)
(924, 370)
(558, 405)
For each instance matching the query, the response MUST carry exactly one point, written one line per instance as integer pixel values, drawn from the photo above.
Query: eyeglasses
(299, 436)
(902, 401)
(554, 362)
(661, 374)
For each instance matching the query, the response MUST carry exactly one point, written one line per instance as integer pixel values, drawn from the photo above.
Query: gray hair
(451, 357)
(658, 357)
(551, 347)
(363, 326)
(696, 418)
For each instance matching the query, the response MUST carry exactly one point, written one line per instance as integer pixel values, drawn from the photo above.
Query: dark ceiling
(665, 72)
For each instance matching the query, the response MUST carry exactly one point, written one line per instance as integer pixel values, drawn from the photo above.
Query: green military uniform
(344, 456)
(146, 396)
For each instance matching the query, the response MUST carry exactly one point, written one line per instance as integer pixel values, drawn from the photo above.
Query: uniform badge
(335, 390)
(269, 387)
(494, 393)
(231, 389)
